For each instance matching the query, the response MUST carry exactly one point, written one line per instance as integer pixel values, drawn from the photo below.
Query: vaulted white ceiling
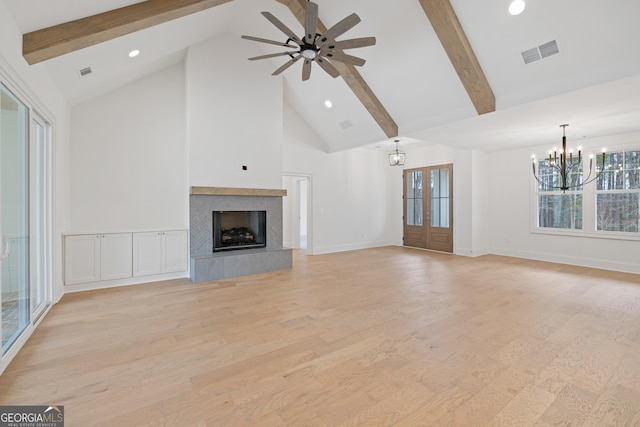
(593, 83)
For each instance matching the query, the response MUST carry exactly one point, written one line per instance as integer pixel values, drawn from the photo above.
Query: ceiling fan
(314, 47)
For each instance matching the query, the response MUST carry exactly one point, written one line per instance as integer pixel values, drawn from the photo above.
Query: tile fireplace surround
(207, 265)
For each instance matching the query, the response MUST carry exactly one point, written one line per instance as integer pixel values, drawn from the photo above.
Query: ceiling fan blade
(275, 21)
(340, 28)
(286, 65)
(258, 39)
(343, 57)
(272, 55)
(310, 22)
(349, 44)
(328, 67)
(306, 69)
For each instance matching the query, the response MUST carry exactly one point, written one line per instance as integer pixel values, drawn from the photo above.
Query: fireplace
(233, 230)
(207, 265)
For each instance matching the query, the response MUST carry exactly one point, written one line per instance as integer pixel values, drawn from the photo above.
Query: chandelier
(396, 158)
(566, 165)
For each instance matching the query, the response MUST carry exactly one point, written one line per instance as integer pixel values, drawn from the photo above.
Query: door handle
(6, 246)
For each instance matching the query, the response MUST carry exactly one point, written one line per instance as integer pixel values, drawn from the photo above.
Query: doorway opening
(296, 209)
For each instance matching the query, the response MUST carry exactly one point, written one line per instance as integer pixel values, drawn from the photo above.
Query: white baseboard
(572, 260)
(124, 282)
(472, 252)
(348, 247)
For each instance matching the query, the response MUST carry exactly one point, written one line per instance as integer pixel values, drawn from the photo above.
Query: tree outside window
(618, 193)
(557, 208)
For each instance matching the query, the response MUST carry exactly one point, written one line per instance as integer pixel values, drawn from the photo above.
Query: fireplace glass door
(234, 230)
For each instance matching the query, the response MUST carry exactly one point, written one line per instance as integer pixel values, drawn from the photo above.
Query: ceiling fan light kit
(314, 47)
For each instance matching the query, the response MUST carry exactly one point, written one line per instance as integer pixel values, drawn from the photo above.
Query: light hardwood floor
(385, 336)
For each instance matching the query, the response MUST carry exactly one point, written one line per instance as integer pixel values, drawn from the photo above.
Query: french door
(428, 207)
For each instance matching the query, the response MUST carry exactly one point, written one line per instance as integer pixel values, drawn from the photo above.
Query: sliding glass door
(40, 197)
(14, 217)
(26, 275)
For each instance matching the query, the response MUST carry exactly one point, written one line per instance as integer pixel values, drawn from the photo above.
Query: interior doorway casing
(299, 205)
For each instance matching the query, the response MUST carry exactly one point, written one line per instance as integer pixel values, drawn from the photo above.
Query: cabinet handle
(6, 246)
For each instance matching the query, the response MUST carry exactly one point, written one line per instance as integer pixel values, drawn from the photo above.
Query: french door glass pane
(435, 184)
(14, 217)
(440, 198)
(414, 197)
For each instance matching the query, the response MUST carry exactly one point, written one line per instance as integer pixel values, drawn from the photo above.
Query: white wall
(35, 85)
(468, 209)
(352, 190)
(234, 110)
(512, 215)
(128, 157)
(480, 203)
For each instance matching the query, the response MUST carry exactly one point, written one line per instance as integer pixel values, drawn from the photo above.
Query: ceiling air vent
(548, 49)
(540, 52)
(346, 124)
(85, 71)
(530, 55)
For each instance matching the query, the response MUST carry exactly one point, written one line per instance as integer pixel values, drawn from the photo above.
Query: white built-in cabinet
(90, 258)
(95, 257)
(159, 252)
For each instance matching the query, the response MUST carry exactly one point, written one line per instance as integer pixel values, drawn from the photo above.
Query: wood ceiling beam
(452, 37)
(352, 77)
(47, 43)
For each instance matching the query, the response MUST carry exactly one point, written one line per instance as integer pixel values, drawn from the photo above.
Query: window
(557, 208)
(607, 206)
(618, 193)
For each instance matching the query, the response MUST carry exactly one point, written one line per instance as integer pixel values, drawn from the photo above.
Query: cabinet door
(147, 253)
(81, 259)
(175, 251)
(115, 256)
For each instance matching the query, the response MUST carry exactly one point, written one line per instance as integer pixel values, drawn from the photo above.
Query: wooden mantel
(227, 191)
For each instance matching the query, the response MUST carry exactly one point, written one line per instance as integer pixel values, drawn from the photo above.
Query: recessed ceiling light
(516, 7)
(134, 53)
(328, 104)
